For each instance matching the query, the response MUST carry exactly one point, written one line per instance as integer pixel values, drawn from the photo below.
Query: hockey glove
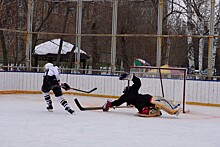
(107, 105)
(126, 76)
(65, 86)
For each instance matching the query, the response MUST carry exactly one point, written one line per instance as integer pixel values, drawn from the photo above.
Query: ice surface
(25, 122)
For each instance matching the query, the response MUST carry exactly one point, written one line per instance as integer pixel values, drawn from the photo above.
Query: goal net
(168, 82)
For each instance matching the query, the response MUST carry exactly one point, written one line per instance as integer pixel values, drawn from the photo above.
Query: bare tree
(97, 20)
(42, 13)
(63, 31)
(7, 12)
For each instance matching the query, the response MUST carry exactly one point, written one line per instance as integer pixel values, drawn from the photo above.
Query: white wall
(196, 91)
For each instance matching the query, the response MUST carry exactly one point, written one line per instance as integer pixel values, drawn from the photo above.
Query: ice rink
(24, 122)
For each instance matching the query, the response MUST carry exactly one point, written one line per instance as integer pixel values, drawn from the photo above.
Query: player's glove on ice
(107, 105)
(65, 86)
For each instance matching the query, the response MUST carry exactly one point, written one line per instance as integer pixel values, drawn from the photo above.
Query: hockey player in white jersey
(51, 81)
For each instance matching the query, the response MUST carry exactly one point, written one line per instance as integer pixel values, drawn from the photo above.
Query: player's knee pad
(45, 88)
(46, 94)
(166, 105)
(154, 111)
(160, 102)
(59, 98)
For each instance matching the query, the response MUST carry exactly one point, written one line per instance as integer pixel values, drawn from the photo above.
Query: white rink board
(196, 91)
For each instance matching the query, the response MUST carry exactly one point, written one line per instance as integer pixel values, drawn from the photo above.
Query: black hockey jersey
(133, 97)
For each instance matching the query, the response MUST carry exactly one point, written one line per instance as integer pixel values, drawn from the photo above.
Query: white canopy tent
(49, 50)
(52, 47)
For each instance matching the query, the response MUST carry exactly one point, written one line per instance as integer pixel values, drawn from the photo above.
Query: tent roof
(52, 47)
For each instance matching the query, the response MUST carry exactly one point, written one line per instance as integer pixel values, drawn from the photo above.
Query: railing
(101, 71)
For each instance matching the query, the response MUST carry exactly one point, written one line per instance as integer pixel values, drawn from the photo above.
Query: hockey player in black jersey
(51, 81)
(146, 104)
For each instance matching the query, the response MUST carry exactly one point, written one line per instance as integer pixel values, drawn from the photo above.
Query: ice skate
(69, 110)
(50, 108)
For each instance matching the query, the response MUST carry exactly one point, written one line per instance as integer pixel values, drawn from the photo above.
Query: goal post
(169, 82)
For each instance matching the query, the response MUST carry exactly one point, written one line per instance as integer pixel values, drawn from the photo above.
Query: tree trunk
(61, 39)
(201, 50)
(189, 39)
(4, 49)
(95, 51)
(71, 57)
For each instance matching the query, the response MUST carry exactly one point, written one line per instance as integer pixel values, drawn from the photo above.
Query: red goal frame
(161, 79)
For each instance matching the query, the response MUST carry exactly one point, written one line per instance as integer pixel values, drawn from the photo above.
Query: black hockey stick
(84, 90)
(94, 108)
(87, 108)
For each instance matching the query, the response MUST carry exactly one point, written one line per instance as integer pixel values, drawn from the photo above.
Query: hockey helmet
(48, 65)
(126, 89)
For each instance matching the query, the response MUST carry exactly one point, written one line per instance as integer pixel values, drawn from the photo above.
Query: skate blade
(50, 110)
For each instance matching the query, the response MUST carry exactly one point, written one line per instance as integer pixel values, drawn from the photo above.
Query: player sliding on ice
(146, 104)
(51, 81)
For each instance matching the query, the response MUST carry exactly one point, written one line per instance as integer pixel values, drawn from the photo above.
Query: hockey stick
(84, 90)
(94, 108)
(87, 108)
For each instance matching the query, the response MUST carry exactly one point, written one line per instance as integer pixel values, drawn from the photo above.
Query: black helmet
(126, 89)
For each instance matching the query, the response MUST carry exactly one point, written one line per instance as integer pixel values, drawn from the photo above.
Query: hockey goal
(165, 81)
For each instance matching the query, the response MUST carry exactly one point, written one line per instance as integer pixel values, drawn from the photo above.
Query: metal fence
(101, 71)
